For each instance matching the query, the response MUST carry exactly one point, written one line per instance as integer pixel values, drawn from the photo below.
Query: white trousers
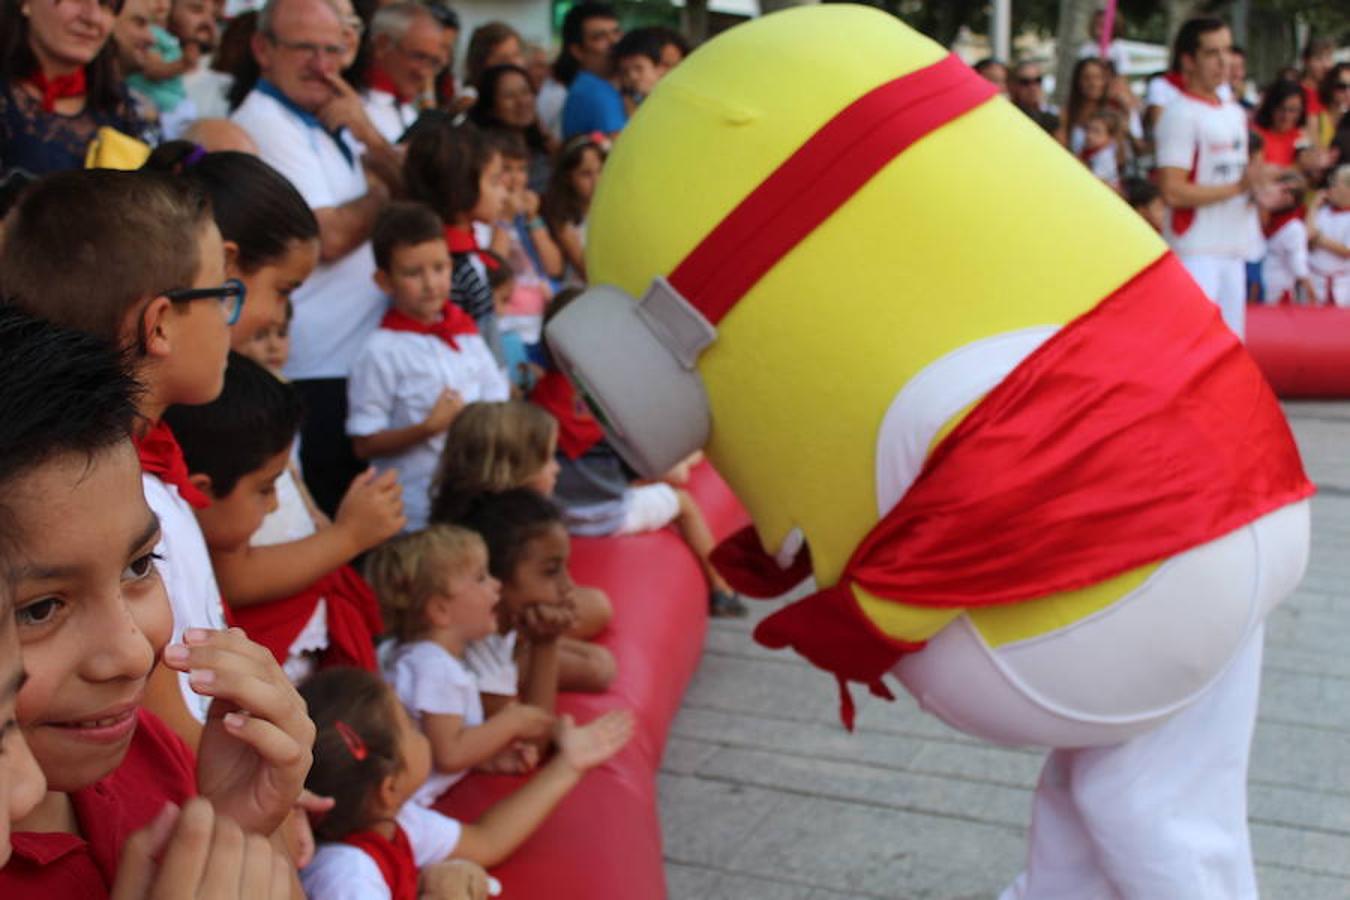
(1162, 816)
(1224, 281)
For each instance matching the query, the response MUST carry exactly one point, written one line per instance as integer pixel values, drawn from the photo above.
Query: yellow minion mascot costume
(1040, 482)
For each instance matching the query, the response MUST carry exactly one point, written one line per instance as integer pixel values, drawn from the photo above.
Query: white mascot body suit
(1040, 483)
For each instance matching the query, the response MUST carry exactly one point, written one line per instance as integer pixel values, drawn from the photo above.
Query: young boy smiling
(91, 617)
(135, 259)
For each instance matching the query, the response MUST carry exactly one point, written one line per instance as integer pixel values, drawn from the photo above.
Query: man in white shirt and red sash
(1204, 172)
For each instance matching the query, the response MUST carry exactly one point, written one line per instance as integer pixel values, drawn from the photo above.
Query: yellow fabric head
(981, 227)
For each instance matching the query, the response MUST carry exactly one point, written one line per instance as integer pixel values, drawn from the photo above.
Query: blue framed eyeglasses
(230, 294)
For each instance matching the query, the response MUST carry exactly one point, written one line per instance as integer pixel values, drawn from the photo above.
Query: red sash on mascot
(1140, 430)
(352, 612)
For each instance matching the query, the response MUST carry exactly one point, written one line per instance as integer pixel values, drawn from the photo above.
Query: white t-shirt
(493, 663)
(188, 577)
(1209, 142)
(395, 382)
(1286, 259)
(1331, 273)
(429, 679)
(208, 90)
(549, 105)
(1103, 164)
(338, 306)
(389, 116)
(344, 872)
(1161, 92)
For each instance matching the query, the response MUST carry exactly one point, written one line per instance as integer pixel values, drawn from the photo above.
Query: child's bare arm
(569, 242)
(506, 825)
(155, 68)
(541, 625)
(396, 440)
(456, 746)
(370, 513)
(550, 255)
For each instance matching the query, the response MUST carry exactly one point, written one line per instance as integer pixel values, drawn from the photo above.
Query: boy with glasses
(135, 259)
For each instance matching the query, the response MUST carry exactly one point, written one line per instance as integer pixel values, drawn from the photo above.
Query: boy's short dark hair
(255, 417)
(403, 225)
(64, 392)
(507, 522)
(641, 42)
(1140, 191)
(82, 248)
(509, 144)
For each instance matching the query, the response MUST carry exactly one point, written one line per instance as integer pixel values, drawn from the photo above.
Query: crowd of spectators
(1249, 187)
(308, 258)
(274, 285)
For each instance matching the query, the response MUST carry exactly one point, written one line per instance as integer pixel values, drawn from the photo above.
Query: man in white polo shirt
(1204, 173)
(298, 46)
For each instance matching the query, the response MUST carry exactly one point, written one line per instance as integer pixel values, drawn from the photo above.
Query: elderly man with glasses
(289, 114)
(408, 49)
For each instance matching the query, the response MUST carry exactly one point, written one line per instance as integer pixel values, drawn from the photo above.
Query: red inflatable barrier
(1304, 351)
(604, 839)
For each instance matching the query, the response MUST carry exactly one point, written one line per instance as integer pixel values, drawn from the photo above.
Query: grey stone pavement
(764, 796)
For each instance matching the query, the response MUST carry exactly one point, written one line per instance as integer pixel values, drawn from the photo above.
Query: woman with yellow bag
(59, 85)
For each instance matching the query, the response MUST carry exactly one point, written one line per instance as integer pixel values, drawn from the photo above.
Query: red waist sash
(1138, 431)
(352, 612)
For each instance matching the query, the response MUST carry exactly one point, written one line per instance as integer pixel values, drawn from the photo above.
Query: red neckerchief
(379, 80)
(578, 430)
(59, 88)
(454, 322)
(394, 857)
(353, 620)
(1281, 219)
(1195, 447)
(462, 240)
(162, 457)
(1087, 155)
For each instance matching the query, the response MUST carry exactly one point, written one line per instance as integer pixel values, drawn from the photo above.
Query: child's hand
(201, 854)
(255, 749)
(448, 405)
(455, 879)
(372, 509)
(544, 622)
(529, 723)
(529, 203)
(300, 833)
(587, 746)
(517, 759)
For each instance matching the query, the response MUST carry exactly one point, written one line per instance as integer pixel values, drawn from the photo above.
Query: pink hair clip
(352, 740)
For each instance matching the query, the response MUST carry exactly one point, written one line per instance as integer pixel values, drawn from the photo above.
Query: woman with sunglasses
(58, 84)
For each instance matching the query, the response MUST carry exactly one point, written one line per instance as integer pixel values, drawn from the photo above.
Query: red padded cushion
(1304, 351)
(604, 839)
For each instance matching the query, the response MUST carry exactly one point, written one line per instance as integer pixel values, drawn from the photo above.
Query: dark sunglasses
(230, 294)
(1028, 81)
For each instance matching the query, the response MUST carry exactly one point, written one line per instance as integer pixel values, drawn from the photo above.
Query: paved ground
(765, 797)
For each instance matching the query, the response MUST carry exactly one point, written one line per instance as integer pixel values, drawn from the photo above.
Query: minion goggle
(636, 363)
